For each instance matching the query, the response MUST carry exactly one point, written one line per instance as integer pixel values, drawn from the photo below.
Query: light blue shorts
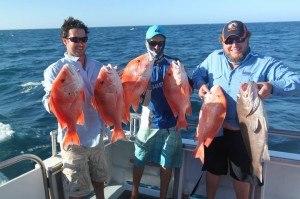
(164, 147)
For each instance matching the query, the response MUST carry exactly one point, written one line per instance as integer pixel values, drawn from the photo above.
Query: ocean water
(24, 54)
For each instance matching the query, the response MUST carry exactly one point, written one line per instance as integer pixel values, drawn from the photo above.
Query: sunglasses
(154, 43)
(77, 39)
(230, 40)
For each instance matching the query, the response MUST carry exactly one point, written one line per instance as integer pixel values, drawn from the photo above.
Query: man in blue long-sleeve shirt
(236, 63)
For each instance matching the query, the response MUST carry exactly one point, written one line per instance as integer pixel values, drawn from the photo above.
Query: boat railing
(135, 119)
(135, 122)
(34, 158)
(53, 135)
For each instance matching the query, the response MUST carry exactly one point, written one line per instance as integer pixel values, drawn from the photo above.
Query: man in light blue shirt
(84, 166)
(229, 68)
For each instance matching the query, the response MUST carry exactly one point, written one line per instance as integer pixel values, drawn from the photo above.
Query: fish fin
(126, 114)
(60, 120)
(83, 95)
(125, 119)
(199, 152)
(50, 104)
(258, 172)
(135, 104)
(190, 90)
(80, 119)
(197, 134)
(208, 141)
(93, 103)
(182, 124)
(266, 155)
(62, 124)
(70, 138)
(189, 110)
(117, 135)
(255, 106)
(255, 126)
(173, 108)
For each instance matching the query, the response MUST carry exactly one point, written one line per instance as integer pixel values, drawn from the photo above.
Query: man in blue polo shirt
(157, 140)
(236, 63)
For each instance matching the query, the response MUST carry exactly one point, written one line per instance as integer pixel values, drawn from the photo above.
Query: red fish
(108, 100)
(66, 99)
(211, 117)
(135, 79)
(177, 91)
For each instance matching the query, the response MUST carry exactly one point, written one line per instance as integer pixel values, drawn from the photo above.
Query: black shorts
(229, 151)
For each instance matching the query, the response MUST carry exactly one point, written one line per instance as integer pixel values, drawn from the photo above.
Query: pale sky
(40, 14)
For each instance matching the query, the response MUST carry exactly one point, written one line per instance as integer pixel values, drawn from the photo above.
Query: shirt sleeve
(284, 81)
(200, 74)
(49, 76)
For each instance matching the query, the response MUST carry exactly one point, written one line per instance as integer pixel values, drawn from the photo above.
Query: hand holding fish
(202, 91)
(265, 89)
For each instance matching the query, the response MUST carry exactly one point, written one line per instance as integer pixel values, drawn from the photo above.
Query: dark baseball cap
(234, 28)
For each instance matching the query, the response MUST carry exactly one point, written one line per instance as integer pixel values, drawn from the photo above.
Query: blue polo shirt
(216, 70)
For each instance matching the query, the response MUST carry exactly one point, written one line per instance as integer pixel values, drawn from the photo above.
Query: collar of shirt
(73, 58)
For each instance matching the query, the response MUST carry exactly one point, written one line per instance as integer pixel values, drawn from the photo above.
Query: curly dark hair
(72, 23)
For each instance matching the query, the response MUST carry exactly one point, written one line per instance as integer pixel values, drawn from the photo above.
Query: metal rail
(34, 158)
(134, 117)
(53, 135)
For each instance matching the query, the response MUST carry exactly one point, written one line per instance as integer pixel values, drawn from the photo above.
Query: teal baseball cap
(155, 30)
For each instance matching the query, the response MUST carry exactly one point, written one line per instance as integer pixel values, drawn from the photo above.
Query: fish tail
(199, 152)
(71, 137)
(117, 135)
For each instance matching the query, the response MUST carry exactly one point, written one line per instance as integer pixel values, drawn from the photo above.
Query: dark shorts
(229, 151)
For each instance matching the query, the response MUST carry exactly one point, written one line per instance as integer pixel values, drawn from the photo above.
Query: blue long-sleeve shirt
(89, 133)
(216, 70)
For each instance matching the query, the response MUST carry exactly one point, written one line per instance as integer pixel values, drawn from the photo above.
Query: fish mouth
(244, 87)
(71, 69)
(108, 69)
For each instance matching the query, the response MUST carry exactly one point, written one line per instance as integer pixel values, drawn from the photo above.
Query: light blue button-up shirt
(89, 133)
(216, 70)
